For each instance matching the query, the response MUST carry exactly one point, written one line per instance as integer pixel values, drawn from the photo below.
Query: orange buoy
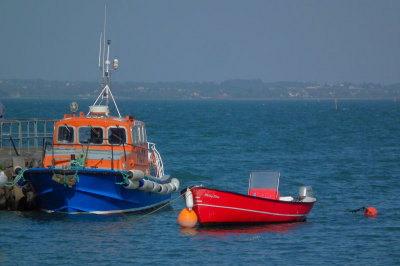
(187, 218)
(370, 211)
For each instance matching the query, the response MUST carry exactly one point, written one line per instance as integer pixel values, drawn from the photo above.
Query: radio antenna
(104, 36)
(101, 36)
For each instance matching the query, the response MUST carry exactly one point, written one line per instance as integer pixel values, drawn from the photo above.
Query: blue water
(350, 156)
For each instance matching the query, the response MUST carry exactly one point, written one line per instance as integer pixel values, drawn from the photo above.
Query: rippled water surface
(350, 156)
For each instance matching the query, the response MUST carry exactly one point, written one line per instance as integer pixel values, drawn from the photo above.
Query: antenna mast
(101, 36)
(104, 37)
(105, 67)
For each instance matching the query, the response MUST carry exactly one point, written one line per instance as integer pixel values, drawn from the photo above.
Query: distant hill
(230, 89)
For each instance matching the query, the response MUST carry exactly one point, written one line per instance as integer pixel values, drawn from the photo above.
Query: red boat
(263, 204)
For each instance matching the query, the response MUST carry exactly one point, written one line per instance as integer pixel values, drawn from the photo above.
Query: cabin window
(65, 134)
(135, 136)
(116, 135)
(90, 135)
(139, 134)
(144, 137)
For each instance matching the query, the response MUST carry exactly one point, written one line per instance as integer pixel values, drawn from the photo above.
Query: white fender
(156, 187)
(175, 183)
(146, 185)
(151, 186)
(171, 187)
(189, 199)
(135, 174)
(133, 184)
(3, 179)
(17, 169)
(165, 189)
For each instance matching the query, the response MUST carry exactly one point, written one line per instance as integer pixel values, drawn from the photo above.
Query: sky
(203, 41)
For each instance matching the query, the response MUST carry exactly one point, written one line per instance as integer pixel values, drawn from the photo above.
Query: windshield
(93, 135)
(65, 134)
(116, 135)
(264, 179)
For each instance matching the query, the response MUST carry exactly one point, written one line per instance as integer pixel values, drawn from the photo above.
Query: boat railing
(158, 160)
(19, 134)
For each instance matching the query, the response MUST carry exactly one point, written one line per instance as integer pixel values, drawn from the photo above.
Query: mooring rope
(156, 210)
(369, 211)
(125, 178)
(141, 217)
(16, 179)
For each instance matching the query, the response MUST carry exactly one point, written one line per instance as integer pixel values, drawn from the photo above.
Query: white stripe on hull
(247, 210)
(113, 211)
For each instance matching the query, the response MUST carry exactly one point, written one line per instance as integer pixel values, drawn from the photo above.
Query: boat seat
(286, 198)
(266, 193)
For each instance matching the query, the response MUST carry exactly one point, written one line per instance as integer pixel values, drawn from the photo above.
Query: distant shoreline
(205, 100)
(227, 90)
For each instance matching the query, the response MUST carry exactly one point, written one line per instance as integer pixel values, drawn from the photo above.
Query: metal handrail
(25, 132)
(159, 162)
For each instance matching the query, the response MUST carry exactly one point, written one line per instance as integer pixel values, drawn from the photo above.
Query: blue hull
(96, 191)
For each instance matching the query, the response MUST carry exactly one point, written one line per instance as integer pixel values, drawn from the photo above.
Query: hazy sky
(184, 40)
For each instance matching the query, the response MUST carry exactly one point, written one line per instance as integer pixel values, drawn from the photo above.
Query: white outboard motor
(305, 194)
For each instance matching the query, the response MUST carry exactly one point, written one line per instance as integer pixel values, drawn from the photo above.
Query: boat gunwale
(100, 172)
(252, 197)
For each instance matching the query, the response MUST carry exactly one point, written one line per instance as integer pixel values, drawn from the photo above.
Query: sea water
(350, 157)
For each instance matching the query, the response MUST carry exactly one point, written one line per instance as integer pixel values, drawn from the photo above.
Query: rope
(79, 162)
(66, 180)
(16, 179)
(152, 179)
(156, 210)
(125, 176)
(338, 210)
(143, 216)
(359, 209)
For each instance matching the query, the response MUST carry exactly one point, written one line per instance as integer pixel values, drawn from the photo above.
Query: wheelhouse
(89, 131)
(123, 142)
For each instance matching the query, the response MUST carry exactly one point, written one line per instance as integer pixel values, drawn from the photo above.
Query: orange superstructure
(100, 141)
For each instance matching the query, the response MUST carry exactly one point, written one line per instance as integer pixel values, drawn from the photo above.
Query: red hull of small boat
(217, 206)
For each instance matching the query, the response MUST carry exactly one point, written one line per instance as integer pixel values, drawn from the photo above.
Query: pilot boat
(262, 204)
(99, 163)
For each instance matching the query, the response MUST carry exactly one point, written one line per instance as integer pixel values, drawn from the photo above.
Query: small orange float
(370, 211)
